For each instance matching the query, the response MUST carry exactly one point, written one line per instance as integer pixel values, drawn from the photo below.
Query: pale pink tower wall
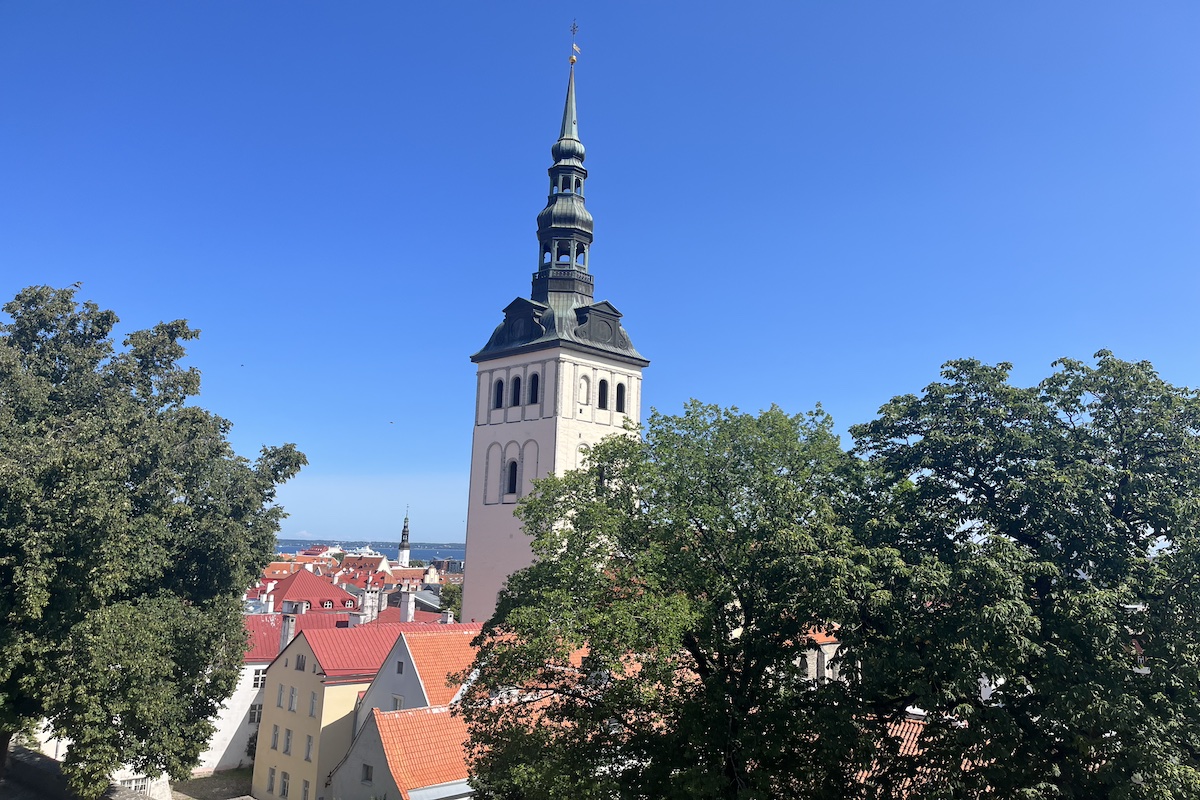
(557, 375)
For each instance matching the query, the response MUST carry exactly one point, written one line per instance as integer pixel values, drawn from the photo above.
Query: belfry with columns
(558, 374)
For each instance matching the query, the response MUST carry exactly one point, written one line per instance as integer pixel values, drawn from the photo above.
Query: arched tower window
(511, 484)
(621, 398)
(585, 391)
(516, 391)
(498, 395)
(602, 395)
(533, 388)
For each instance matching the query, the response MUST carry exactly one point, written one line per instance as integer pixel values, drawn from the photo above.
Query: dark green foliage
(693, 567)
(1033, 542)
(128, 531)
(451, 599)
(1052, 533)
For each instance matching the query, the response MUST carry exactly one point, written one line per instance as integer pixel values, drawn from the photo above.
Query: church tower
(558, 375)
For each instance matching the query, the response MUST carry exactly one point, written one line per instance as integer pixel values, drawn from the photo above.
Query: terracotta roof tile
(423, 746)
(264, 631)
(437, 651)
(392, 614)
(303, 585)
(360, 650)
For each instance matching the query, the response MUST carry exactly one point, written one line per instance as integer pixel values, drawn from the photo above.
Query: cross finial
(574, 47)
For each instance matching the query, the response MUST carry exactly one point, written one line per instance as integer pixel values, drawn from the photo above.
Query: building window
(585, 391)
(255, 713)
(397, 702)
(312, 705)
(274, 737)
(621, 398)
(399, 667)
(284, 781)
(348, 603)
(287, 742)
(602, 395)
(368, 773)
(300, 662)
(139, 785)
(260, 678)
(291, 698)
(533, 388)
(271, 780)
(516, 391)
(279, 697)
(511, 488)
(498, 398)
(308, 748)
(326, 604)
(304, 791)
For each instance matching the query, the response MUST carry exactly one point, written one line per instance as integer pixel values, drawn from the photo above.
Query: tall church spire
(565, 226)
(561, 309)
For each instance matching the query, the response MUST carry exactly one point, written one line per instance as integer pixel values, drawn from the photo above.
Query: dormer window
(326, 604)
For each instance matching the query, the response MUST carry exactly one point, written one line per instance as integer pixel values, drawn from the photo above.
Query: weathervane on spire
(574, 47)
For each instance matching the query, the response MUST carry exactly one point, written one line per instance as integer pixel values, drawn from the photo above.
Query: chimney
(408, 605)
(270, 603)
(287, 630)
(447, 617)
(370, 602)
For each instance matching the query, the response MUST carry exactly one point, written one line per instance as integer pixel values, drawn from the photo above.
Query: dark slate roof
(563, 321)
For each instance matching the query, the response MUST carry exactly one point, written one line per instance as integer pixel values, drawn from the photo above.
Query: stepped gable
(423, 746)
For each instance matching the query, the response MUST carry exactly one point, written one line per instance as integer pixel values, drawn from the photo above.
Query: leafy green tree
(1022, 564)
(128, 531)
(452, 599)
(659, 646)
(1053, 533)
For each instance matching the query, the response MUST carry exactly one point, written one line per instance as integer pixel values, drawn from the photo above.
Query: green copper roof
(560, 310)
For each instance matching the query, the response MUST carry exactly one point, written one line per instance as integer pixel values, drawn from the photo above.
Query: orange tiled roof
(423, 746)
(438, 651)
(280, 569)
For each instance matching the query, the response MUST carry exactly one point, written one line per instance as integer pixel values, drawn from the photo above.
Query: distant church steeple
(403, 559)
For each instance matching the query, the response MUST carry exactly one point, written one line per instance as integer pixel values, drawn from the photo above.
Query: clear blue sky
(795, 202)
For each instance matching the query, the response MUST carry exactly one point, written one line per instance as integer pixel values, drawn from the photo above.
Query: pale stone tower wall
(543, 437)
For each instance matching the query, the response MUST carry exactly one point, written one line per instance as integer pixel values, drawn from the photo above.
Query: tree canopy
(128, 531)
(1012, 568)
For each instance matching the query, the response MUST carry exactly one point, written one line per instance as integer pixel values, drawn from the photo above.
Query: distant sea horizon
(424, 551)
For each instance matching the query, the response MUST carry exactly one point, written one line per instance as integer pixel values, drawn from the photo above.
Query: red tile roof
(344, 652)
(303, 585)
(367, 563)
(423, 746)
(392, 614)
(438, 651)
(264, 631)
